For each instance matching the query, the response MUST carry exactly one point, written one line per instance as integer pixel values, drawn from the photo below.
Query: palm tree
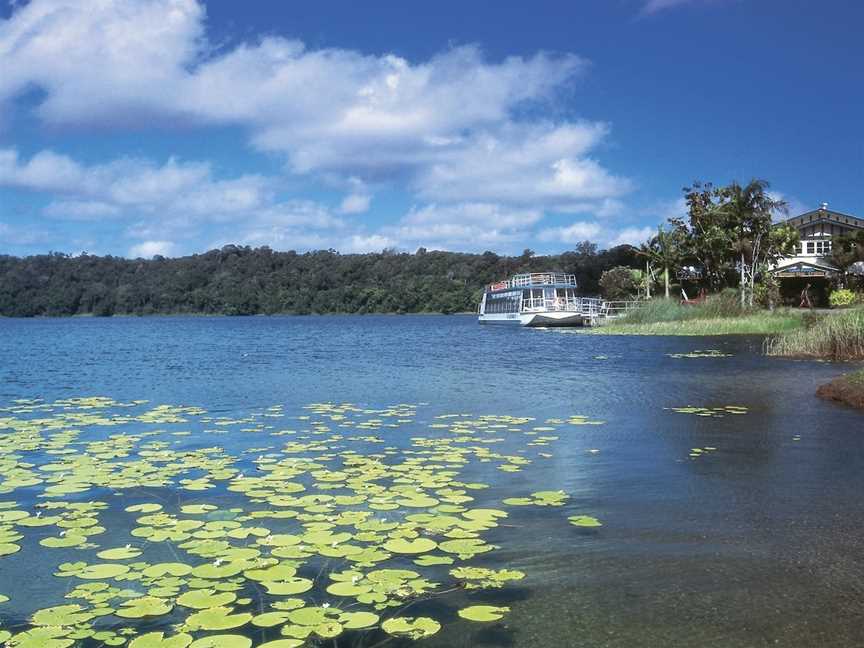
(665, 251)
(749, 211)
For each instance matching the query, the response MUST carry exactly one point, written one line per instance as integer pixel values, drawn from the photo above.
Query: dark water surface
(758, 543)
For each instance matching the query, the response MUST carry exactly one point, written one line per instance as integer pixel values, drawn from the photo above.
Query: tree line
(236, 280)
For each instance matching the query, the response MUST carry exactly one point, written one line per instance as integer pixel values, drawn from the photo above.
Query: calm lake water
(756, 543)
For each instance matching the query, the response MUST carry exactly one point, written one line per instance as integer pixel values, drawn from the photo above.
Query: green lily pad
(120, 553)
(414, 628)
(418, 546)
(222, 641)
(483, 613)
(102, 571)
(8, 549)
(217, 618)
(584, 521)
(144, 607)
(167, 569)
(61, 615)
(288, 586)
(42, 637)
(358, 620)
(202, 599)
(159, 640)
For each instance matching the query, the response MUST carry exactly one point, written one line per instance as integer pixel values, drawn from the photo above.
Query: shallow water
(755, 543)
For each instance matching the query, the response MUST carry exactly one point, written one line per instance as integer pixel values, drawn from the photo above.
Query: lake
(735, 525)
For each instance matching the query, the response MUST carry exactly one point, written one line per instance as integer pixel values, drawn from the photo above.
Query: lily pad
(222, 641)
(584, 521)
(483, 613)
(159, 640)
(414, 628)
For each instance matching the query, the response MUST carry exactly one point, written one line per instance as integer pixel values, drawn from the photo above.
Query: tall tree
(754, 238)
(665, 250)
(706, 231)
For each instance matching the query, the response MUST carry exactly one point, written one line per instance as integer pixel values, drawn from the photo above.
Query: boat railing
(535, 279)
(589, 306)
(542, 304)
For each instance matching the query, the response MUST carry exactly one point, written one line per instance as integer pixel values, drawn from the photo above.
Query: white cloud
(448, 125)
(794, 206)
(465, 226)
(149, 249)
(632, 236)
(574, 233)
(522, 163)
(355, 203)
(103, 189)
(358, 243)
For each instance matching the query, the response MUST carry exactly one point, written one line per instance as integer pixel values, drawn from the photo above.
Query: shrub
(618, 283)
(841, 298)
(766, 293)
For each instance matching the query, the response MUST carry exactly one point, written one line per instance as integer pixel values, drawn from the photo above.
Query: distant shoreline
(225, 315)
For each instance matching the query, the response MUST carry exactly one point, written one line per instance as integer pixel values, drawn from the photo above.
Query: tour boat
(537, 299)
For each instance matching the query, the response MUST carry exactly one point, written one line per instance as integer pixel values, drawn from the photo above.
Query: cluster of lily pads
(714, 412)
(701, 353)
(318, 527)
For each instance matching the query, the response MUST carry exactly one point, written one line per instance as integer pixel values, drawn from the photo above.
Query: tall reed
(838, 336)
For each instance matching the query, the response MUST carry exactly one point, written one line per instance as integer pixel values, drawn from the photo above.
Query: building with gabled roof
(811, 264)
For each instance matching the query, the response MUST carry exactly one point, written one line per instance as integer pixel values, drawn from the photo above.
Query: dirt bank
(848, 389)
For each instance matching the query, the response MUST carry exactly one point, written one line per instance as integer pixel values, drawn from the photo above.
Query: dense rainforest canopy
(245, 281)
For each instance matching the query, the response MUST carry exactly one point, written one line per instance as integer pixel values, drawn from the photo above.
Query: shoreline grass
(720, 314)
(759, 323)
(839, 336)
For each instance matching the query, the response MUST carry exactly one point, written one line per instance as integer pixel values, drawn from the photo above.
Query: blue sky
(142, 127)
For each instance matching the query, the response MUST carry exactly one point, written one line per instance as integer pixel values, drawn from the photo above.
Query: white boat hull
(544, 318)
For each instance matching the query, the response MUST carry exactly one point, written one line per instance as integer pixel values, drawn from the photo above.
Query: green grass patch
(838, 336)
(720, 314)
(759, 323)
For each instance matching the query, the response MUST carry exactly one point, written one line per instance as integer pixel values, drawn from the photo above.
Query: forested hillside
(246, 281)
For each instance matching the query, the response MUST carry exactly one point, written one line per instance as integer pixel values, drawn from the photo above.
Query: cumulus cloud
(459, 132)
(104, 189)
(632, 236)
(465, 226)
(448, 124)
(521, 163)
(574, 233)
(148, 249)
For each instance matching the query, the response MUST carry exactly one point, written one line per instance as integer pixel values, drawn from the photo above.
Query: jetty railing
(596, 311)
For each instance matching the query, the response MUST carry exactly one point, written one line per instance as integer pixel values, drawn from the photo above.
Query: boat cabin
(535, 292)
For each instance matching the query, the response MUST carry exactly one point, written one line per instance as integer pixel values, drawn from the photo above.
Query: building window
(823, 247)
(810, 247)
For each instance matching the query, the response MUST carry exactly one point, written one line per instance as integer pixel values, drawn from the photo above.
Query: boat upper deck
(535, 280)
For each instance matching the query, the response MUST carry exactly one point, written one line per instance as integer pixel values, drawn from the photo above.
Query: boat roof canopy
(536, 279)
